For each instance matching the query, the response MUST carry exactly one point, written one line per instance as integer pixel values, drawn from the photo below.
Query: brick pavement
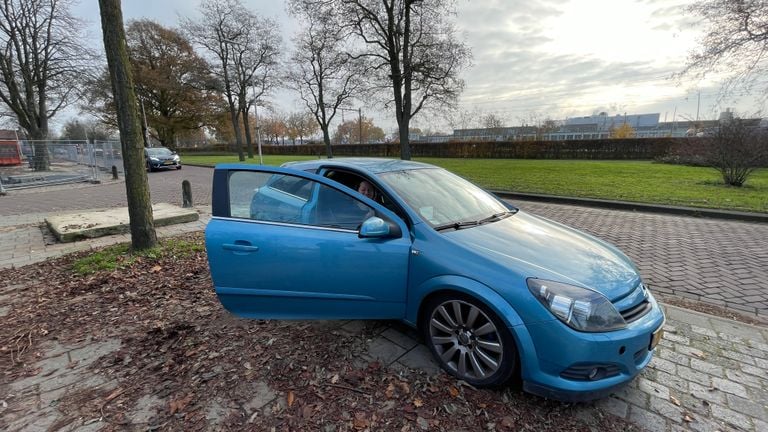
(165, 187)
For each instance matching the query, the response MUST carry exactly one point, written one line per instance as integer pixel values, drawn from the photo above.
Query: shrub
(736, 151)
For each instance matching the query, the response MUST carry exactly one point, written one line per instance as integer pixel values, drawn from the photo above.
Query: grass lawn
(638, 181)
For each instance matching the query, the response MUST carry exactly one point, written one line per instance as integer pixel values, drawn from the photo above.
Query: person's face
(366, 189)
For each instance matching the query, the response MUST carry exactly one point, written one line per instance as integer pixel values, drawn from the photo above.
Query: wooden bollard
(186, 194)
(114, 172)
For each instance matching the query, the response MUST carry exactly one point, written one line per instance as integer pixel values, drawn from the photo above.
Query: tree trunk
(234, 116)
(247, 127)
(136, 186)
(405, 147)
(327, 141)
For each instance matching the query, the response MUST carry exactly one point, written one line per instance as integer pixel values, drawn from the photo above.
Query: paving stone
(707, 393)
(677, 339)
(420, 358)
(400, 338)
(667, 409)
(663, 365)
(262, 395)
(633, 395)
(216, 413)
(654, 389)
(145, 409)
(675, 357)
(353, 327)
(706, 367)
(695, 376)
(742, 358)
(646, 419)
(729, 387)
(613, 405)
(756, 371)
(731, 417)
(384, 350)
(746, 406)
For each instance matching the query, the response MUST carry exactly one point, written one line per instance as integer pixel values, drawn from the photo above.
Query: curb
(633, 206)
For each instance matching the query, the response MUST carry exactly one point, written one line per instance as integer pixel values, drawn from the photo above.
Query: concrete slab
(77, 226)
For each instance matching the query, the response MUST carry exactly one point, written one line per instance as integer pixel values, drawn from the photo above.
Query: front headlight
(176, 157)
(154, 159)
(580, 308)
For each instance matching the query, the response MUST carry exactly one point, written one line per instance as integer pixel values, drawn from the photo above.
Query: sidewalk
(25, 239)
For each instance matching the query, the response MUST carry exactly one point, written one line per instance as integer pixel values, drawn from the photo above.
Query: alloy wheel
(466, 340)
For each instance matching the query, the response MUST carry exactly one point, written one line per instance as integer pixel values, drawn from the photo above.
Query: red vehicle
(10, 149)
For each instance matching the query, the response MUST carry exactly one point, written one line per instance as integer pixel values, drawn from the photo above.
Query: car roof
(372, 165)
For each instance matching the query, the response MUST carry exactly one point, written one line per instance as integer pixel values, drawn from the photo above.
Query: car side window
(289, 199)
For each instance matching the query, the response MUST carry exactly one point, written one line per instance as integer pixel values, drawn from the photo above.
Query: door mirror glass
(376, 227)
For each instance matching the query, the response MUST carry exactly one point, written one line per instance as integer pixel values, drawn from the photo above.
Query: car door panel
(274, 269)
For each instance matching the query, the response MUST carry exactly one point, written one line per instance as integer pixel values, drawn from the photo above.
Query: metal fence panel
(50, 162)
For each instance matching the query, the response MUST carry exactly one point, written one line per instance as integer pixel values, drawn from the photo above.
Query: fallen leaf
(335, 379)
(178, 405)
(688, 418)
(418, 403)
(291, 399)
(390, 391)
(674, 400)
(454, 392)
(155, 269)
(360, 422)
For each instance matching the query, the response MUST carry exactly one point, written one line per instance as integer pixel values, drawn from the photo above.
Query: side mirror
(376, 227)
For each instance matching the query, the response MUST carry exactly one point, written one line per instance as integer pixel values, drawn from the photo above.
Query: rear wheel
(469, 341)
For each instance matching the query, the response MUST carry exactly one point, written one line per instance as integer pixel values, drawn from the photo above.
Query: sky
(534, 60)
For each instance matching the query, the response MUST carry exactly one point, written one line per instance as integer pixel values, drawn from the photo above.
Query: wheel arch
(442, 285)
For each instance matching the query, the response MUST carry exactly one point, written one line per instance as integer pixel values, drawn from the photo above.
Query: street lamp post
(258, 127)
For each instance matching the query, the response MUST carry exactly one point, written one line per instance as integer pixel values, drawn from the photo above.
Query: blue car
(498, 294)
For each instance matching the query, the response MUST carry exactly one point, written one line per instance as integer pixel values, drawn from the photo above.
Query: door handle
(238, 247)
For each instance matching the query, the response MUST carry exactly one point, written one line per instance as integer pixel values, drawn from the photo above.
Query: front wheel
(469, 341)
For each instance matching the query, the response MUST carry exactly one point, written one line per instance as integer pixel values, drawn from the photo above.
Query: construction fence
(51, 162)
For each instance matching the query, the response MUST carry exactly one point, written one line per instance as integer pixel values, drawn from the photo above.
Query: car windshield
(159, 151)
(445, 200)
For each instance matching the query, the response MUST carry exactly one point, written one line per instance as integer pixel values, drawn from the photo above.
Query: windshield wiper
(497, 216)
(466, 224)
(456, 225)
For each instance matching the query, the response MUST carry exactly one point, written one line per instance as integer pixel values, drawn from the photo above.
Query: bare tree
(736, 151)
(413, 53)
(136, 186)
(735, 42)
(41, 64)
(255, 56)
(322, 71)
(218, 31)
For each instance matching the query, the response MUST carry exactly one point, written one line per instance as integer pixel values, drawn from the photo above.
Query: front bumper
(165, 164)
(550, 352)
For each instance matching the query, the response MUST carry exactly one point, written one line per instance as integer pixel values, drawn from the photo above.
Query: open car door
(286, 244)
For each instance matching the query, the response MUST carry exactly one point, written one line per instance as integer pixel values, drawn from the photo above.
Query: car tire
(149, 167)
(178, 167)
(469, 341)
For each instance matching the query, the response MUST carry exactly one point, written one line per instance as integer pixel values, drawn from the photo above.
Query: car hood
(532, 246)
